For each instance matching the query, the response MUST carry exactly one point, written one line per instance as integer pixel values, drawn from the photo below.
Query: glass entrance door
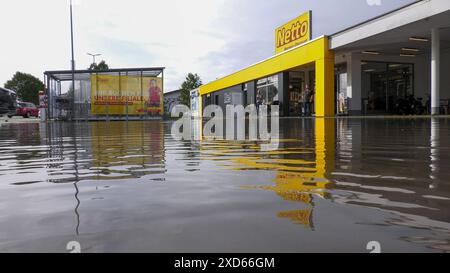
(374, 87)
(399, 85)
(384, 85)
(296, 88)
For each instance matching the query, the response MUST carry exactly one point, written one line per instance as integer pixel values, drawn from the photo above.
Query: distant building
(171, 99)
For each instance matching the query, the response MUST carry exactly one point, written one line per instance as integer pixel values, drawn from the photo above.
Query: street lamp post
(93, 56)
(72, 63)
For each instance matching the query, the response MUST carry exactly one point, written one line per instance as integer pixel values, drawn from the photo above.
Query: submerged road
(333, 185)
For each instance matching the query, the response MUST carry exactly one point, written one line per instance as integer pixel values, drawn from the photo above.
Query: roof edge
(376, 18)
(105, 71)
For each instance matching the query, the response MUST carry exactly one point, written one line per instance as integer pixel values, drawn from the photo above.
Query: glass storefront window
(385, 85)
(267, 90)
(233, 98)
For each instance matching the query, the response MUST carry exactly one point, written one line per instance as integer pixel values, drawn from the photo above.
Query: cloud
(208, 37)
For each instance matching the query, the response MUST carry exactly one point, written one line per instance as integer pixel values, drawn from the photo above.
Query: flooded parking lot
(333, 185)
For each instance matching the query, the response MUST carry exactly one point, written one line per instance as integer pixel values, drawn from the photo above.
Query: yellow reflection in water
(124, 149)
(301, 217)
(296, 179)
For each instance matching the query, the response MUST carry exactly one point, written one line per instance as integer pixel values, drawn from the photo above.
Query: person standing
(341, 103)
(307, 101)
(311, 102)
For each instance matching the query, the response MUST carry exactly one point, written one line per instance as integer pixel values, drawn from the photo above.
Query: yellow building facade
(369, 69)
(314, 53)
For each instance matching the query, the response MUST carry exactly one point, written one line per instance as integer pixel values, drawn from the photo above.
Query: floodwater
(333, 185)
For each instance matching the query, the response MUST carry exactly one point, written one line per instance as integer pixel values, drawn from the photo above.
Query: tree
(191, 82)
(26, 86)
(102, 66)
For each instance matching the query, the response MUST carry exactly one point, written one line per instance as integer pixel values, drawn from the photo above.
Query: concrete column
(354, 86)
(435, 70)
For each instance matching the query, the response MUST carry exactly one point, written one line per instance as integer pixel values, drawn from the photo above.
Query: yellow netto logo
(293, 33)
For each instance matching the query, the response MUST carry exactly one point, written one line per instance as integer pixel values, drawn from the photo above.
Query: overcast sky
(210, 37)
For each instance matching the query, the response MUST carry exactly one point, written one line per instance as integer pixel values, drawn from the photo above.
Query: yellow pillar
(324, 93)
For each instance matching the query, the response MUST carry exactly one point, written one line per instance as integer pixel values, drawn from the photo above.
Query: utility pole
(72, 64)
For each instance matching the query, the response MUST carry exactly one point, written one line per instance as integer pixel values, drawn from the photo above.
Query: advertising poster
(126, 95)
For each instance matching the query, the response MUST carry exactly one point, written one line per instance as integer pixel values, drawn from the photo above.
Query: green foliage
(191, 82)
(27, 87)
(102, 66)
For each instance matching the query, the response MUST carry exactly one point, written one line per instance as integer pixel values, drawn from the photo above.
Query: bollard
(42, 115)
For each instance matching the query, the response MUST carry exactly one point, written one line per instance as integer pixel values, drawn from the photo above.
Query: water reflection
(394, 181)
(434, 151)
(330, 178)
(298, 176)
(102, 151)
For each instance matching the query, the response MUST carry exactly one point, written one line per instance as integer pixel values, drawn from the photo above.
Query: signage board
(293, 33)
(126, 95)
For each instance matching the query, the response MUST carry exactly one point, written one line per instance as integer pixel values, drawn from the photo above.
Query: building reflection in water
(434, 152)
(128, 150)
(102, 151)
(302, 171)
(386, 177)
(381, 164)
(390, 165)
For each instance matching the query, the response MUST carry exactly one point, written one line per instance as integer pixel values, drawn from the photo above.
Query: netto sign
(296, 32)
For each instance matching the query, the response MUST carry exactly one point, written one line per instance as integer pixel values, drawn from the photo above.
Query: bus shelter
(115, 94)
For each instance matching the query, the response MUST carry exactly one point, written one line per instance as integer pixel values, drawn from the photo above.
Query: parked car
(26, 110)
(8, 102)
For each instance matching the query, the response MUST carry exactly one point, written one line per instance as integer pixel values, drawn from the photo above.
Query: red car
(27, 109)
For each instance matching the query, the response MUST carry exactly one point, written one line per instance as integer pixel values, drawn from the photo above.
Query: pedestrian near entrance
(307, 93)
